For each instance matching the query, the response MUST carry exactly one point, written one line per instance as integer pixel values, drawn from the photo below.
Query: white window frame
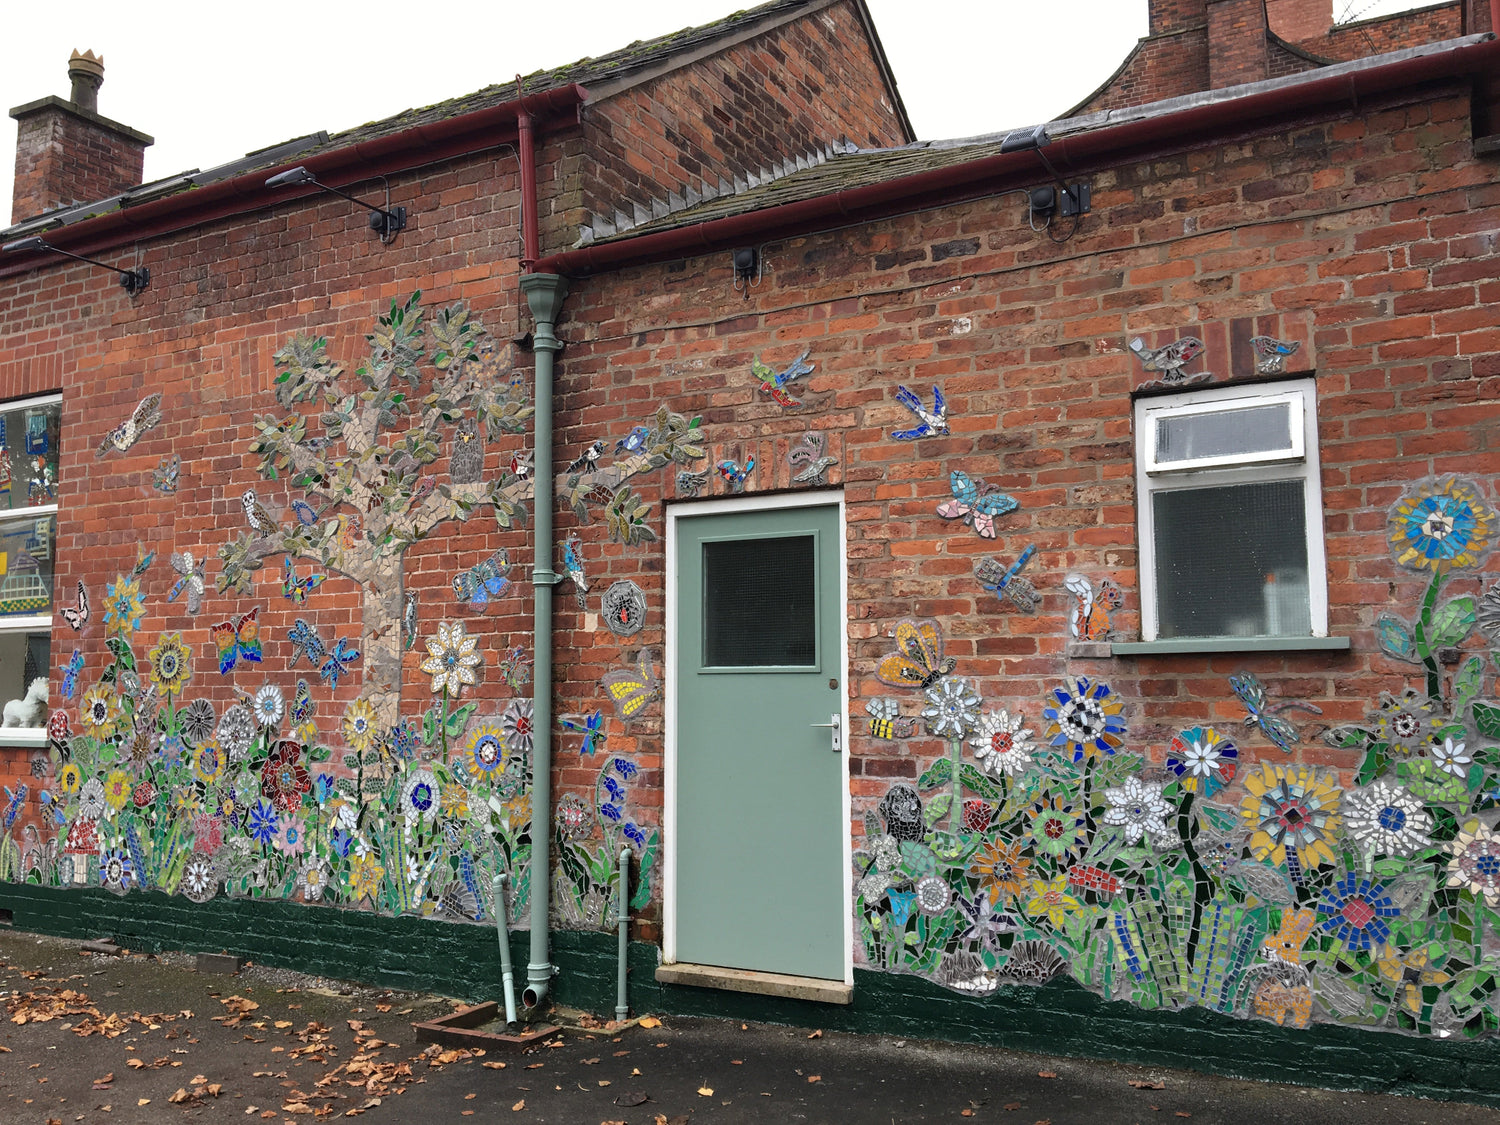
(1252, 468)
(28, 737)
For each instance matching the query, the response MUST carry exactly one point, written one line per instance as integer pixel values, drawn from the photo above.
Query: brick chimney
(1299, 20)
(1236, 43)
(67, 153)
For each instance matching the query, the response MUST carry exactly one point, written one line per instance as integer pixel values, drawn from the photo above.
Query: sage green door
(759, 793)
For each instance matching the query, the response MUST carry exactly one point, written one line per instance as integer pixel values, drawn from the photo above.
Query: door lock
(836, 729)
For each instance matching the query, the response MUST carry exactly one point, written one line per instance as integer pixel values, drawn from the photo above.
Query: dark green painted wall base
(1062, 1018)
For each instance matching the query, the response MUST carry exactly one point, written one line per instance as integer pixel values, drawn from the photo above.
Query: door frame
(738, 505)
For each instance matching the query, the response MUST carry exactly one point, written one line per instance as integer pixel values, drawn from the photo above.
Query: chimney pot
(86, 70)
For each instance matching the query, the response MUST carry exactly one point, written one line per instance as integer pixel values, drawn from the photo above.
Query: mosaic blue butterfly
(976, 503)
(484, 581)
(70, 672)
(294, 587)
(337, 662)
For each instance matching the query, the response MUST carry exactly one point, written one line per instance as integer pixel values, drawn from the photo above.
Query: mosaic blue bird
(1271, 354)
(587, 459)
(774, 382)
(930, 422)
(634, 441)
(573, 564)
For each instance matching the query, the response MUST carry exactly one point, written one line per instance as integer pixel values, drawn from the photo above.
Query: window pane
(1232, 561)
(26, 561)
(1224, 433)
(759, 603)
(24, 658)
(28, 455)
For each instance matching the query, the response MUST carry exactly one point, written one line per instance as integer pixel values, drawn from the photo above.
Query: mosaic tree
(367, 475)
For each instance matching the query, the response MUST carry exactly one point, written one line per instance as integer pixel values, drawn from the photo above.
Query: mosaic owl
(467, 463)
(256, 515)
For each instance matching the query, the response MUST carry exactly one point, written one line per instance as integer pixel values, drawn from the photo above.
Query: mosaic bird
(424, 489)
(520, 465)
(774, 382)
(147, 414)
(735, 476)
(164, 478)
(466, 465)
(409, 620)
(573, 564)
(1169, 359)
(587, 459)
(256, 515)
(1271, 354)
(690, 483)
(809, 452)
(634, 441)
(934, 421)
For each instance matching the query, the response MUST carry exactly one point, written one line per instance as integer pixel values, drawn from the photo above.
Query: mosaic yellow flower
(365, 874)
(1441, 525)
(101, 712)
(1001, 870)
(1051, 899)
(171, 667)
(123, 608)
(117, 789)
(453, 800)
(1291, 806)
(209, 761)
(70, 778)
(359, 725)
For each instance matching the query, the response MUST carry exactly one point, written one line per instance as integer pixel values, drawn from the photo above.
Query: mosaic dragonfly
(1007, 581)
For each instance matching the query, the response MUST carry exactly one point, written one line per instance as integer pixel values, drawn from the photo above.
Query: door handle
(836, 728)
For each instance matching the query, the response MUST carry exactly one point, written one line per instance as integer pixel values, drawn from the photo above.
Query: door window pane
(28, 455)
(759, 603)
(26, 561)
(1224, 433)
(1232, 561)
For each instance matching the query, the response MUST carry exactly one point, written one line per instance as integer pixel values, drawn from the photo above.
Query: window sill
(27, 738)
(1229, 644)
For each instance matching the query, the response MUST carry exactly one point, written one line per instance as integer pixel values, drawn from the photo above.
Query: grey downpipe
(507, 975)
(622, 1005)
(545, 293)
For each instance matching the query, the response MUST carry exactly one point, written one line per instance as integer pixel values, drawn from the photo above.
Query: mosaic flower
(1001, 746)
(903, 905)
(933, 895)
(574, 820)
(262, 822)
(887, 853)
(70, 778)
(982, 922)
(143, 794)
(197, 720)
(1354, 910)
(283, 777)
(1475, 866)
(91, 799)
(100, 712)
(952, 709)
(419, 796)
(268, 706)
(208, 833)
(901, 809)
(403, 741)
(1056, 827)
(1001, 870)
(365, 873)
(1204, 759)
(312, 880)
(117, 790)
(1088, 719)
(484, 751)
(451, 658)
(1441, 525)
(1429, 782)
(171, 666)
(1034, 962)
(1050, 899)
(1384, 819)
(1291, 806)
(1406, 725)
(123, 608)
(200, 880)
(360, 725)
(873, 885)
(290, 839)
(1488, 615)
(323, 787)
(236, 731)
(1451, 757)
(116, 872)
(172, 752)
(977, 815)
(209, 761)
(1139, 808)
(515, 721)
(453, 801)
(58, 727)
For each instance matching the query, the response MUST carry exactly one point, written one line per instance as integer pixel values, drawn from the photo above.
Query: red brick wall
(1365, 236)
(777, 96)
(1299, 19)
(63, 159)
(1390, 33)
(1236, 42)
(1161, 67)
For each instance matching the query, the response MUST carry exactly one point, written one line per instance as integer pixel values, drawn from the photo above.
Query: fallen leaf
(816, 1034)
(519, 1106)
(382, 1007)
(1046, 1074)
(470, 1097)
(815, 1078)
(214, 1088)
(181, 1096)
(1012, 1105)
(736, 1062)
(1146, 1084)
(144, 1101)
(649, 1022)
(283, 1023)
(633, 1098)
(535, 1066)
(966, 1112)
(604, 1081)
(706, 1091)
(296, 1107)
(493, 1065)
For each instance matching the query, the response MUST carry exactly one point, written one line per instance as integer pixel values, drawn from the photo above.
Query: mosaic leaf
(1452, 622)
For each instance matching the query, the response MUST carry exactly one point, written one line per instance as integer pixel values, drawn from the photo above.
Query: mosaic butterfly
(238, 639)
(164, 478)
(1008, 582)
(487, 580)
(294, 587)
(340, 656)
(976, 503)
(1263, 714)
(79, 617)
(306, 642)
(1091, 617)
(918, 660)
(632, 689)
(70, 672)
(302, 704)
(515, 667)
(592, 729)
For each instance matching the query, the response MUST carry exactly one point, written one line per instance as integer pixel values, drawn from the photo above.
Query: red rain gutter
(429, 143)
(531, 242)
(1076, 151)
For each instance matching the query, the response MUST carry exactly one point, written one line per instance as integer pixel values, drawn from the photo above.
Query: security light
(132, 281)
(387, 220)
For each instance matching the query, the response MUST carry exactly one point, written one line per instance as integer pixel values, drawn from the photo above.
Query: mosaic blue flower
(624, 768)
(262, 822)
(609, 811)
(1089, 719)
(323, 787)
(1355, 910)
(902, 905)
(634, 834)
(403, 741)
(341, 841)
(1441, 525)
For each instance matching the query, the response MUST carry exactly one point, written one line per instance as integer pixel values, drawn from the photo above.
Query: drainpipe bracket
(543, 576)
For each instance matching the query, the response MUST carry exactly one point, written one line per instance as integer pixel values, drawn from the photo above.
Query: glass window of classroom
(29, 485)
(1231, 513)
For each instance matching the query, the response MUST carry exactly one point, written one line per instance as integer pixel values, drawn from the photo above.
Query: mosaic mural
(1050, 841)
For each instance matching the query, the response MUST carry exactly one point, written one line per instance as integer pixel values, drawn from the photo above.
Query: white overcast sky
(212, 81)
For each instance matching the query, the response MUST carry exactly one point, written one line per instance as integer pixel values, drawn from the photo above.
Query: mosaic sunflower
(171, 665)
(1441, 525)
(1291, 806)
(484, 751)
(101, 712)
(365, 873)
(209, 761)
(117, 790)
(123, 608)
(1051, 900)
(1001, 870)
(70, 779)
(1089, 719)
(359, 725)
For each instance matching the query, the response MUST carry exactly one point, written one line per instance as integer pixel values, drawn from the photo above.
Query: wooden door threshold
(764, 984)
